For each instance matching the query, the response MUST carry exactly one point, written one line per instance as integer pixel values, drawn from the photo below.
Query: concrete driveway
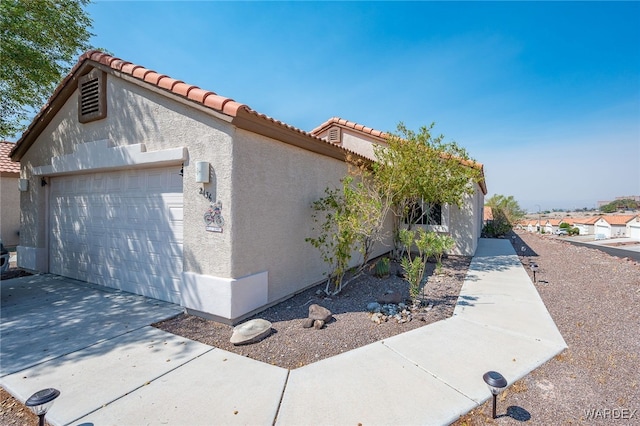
(58, 316)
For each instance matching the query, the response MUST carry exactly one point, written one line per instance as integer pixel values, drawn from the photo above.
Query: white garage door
(604, 230)
(634, 232)
(119, 229)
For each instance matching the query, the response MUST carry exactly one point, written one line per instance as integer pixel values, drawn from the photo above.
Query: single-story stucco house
(552, 225)
(153, 186)
(633, 228)
(9, 197)
(585, 225)
(613, 226)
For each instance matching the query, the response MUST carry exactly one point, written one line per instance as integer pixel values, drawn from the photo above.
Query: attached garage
(634, 229)
(121, 229)
(602, 228)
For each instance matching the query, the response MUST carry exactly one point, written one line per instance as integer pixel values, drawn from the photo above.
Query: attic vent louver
(92, 92)
(334, 135)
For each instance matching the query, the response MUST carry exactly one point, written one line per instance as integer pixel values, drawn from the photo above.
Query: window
(422, 213)
(92, 96)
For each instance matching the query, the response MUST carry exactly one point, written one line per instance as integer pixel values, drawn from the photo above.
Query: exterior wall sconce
(202, 172)
(23, 185)
(41, 401)
(43, 181)
(496, 383)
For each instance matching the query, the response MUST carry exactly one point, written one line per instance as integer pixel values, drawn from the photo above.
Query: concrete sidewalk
(135, 374)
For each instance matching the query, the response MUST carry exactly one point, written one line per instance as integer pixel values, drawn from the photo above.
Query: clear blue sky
(546, 95)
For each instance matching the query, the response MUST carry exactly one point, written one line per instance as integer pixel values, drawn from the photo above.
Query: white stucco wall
(139, 116)
(9, 211)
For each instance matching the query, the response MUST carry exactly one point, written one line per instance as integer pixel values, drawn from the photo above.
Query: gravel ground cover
(292, 346)
(594, 299)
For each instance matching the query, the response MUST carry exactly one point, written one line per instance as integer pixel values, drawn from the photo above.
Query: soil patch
(291, 346)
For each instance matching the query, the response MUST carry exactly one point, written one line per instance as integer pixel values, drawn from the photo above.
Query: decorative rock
(307, 323)
(374, 307)
(318, 324)
(393, 297)
(317, 312)
(250, 332)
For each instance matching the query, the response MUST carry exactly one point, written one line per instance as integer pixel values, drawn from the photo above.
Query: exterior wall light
(202, 172)
(41, 401)
(496, 383)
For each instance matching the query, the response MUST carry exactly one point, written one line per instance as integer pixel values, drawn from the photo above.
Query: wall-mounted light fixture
(43, 181)
(23, 185)
(181, 172)
(202, 172)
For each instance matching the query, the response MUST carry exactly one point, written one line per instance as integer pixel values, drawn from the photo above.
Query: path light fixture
(41, 401)
(534, 269)
(496, 383)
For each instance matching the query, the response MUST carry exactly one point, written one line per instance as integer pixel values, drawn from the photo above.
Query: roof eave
(260, 124)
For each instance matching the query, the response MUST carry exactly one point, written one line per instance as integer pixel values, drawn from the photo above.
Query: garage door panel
(120, 229)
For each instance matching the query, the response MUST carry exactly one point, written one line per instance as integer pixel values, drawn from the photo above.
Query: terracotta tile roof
(556, 222)
(6, 165)
(379, 134)
(348, 125)
(618, 219)
(488, 213)
(245, 116)
(586, 220)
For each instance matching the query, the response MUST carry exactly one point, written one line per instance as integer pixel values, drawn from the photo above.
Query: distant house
(534, 225)
(633, 228)
(487, 215)
(613, 226)
(552, 225)
(9, 197)
(586, 226)
(150, 185)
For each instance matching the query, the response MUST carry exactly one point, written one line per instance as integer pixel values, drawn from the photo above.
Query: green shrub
(382, 267)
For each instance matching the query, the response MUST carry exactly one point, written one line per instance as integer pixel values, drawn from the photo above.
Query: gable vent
(334, 135)
(92, 102)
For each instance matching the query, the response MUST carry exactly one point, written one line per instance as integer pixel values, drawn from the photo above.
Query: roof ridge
(208, 98)
(349, 124)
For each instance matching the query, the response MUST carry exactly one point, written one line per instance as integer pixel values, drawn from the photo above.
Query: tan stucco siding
(465, 223)
(140, 116)
(9, 211)
(355, 142)
(274, 185)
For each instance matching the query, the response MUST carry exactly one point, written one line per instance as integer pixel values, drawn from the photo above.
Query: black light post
(41, 401)
(496, 383)
(534, 268)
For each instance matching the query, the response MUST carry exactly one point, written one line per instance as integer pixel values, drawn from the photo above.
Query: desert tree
(348, 220)
(39, 41)
(418, 167)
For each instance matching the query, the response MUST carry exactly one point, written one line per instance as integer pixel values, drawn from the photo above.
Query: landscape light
(496, 383)
(41, 401)
(534, 268)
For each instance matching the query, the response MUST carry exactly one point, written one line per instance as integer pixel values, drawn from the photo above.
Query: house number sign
(206, 194)
(214, 222)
